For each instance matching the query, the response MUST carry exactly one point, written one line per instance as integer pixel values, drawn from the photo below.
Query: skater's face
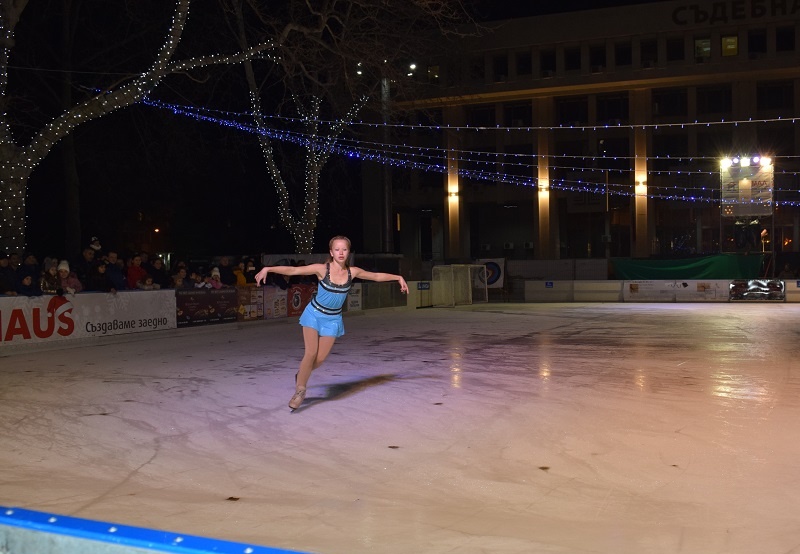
(340, 250)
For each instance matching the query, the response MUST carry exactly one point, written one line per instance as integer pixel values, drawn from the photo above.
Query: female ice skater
(322, 318)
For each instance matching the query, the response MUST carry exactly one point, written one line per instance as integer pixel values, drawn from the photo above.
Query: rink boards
(703, 290)
(31, 532)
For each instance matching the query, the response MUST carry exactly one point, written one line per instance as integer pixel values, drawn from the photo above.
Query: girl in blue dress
(322, 317)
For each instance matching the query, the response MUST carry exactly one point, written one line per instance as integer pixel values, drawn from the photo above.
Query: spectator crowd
(98, 270)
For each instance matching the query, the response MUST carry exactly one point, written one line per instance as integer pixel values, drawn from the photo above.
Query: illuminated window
(702, 48)
(730, 45)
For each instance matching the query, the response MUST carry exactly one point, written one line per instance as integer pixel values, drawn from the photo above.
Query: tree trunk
(17, 163)
(13, 186)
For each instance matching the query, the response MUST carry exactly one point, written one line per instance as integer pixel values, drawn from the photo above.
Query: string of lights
(472, 164)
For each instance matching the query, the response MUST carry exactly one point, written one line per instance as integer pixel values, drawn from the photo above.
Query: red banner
(299, 296)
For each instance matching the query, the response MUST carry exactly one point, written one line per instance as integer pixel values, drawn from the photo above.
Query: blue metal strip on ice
(124, 535)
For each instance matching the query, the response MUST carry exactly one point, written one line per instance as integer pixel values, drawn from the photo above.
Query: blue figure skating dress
(324, 312)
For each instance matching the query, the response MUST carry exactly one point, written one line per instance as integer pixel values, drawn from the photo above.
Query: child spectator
(181, 279)
(159, 274)
(147, 283)
(50, 283)
(115, 270)
(214, 281)
(69, 282)
(201, 282)
(27, 285)
(136, 272)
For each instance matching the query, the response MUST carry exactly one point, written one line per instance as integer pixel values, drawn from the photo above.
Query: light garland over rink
(19, 161)
(431, 158)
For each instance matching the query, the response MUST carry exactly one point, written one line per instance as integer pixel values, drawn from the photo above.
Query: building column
(452, 208)
(543, 111)
(639, 110)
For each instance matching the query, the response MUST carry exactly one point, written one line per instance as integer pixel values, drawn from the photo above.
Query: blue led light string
(467, 155)
(391, 154)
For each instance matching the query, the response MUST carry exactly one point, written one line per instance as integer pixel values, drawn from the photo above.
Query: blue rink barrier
(29, 532)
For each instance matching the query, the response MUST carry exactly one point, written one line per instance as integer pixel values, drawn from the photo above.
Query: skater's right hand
(261, 276)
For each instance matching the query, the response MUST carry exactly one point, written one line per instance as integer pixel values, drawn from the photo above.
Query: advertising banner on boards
(39, 319)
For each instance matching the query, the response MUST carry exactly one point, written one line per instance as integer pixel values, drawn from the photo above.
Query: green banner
(710, 267)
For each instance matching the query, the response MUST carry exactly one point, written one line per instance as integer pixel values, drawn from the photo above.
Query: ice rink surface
(498, 428)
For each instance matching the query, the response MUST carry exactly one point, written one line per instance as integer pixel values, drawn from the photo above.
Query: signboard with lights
(746, 186)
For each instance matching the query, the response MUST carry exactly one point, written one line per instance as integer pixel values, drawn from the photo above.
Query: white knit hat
(63, 265)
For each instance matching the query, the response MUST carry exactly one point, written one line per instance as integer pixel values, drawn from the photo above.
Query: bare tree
(333, 58)
(18, 158)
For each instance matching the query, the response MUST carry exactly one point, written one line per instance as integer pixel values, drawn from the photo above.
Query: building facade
(600, 133)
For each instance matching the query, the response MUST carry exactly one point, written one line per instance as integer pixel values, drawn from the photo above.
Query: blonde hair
(349, 248)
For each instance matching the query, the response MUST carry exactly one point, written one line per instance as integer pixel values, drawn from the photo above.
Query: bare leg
(316, 350)
(311, 342)
(323, 349)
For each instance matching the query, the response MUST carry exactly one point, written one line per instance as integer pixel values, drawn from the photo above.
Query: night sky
(203, 186)
(489, 10)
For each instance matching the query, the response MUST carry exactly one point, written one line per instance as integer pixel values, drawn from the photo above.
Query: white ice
(498, 428)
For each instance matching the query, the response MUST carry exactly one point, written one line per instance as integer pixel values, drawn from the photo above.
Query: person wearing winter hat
(68, 281)
(27, 285)
(31, 264)
(215, 282)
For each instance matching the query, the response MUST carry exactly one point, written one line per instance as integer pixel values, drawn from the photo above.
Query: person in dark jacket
(99, 279)
(114, 270)
(8, 277)
(226, 275)
(28, 283)
(159, 274)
